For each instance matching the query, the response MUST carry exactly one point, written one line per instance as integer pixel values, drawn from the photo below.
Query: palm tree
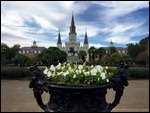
(82, 55)
(92, 53)
(100, 52)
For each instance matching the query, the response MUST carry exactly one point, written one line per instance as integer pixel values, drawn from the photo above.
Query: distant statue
(72, 51)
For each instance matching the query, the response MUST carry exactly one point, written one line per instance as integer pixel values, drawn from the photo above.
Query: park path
(16, 96)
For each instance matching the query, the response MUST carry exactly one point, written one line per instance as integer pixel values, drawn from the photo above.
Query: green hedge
(24, 72)
(138, 73)
(15, 73)
(134, 72)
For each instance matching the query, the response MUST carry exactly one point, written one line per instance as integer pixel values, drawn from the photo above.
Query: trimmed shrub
(15, 73)
(138, 73)
(18, 73)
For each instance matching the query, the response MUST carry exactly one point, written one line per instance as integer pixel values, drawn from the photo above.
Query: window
(20, 52)
(23, 51)
(27, 51)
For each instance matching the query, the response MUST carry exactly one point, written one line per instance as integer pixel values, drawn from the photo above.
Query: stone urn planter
(78, 98)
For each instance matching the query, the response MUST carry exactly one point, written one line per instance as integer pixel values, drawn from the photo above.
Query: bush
(24, 72)
(138, 73)
(134, 72)
(15, 73)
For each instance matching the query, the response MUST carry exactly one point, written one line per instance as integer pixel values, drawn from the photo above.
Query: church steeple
(85, 38)
(59, 38)
(111, 44)
(72, 27)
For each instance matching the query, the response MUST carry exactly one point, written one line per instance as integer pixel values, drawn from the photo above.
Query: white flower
(93, 72)
(103, 76)
(52, 68)
(66, 73)
(74, 76)
(49, 74)
(77, 71)
(107, 80)
(98, 67)
(58, 66)
(86, 73)
(106, 67)
(80, 67)
(60, 73)
(45, 71)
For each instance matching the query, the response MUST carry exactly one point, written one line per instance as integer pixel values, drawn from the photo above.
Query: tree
(14, 51)
(133, 50)
(20, 60)
(92, 53)
(105, 59)
(4, 53)
(8, 53)
(112, 50)
(144, 42)
(100, 52)
(142, 58)
(82, 54)
(52, 55)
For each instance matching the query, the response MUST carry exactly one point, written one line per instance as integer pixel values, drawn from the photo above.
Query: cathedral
(72, 47)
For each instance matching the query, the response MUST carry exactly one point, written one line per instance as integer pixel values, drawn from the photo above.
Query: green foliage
(8, 53)
(92, 53)
(135, 49)
(138, 73)
(82, 55)
(112, 50)
(15, 73)
(73, 74)
(134, 72)
(100, 52)
(52, 55)
(20, 59)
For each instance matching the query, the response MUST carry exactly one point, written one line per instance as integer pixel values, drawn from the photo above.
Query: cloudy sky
(120, 21)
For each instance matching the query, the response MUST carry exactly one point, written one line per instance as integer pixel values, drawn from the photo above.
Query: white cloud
(97, 45)
(120, 40)
(116, 9)
(52, 15)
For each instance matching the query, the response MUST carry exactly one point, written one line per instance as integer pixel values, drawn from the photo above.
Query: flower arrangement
(68, 73)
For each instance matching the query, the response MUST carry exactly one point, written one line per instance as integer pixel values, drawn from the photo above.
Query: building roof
(32, 48)
(117, 48)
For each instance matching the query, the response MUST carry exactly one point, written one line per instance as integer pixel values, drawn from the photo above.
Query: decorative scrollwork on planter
(67, 98)
(118, 83)
(39, 85)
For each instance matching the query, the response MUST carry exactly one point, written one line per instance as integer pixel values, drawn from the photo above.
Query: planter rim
(69, 86)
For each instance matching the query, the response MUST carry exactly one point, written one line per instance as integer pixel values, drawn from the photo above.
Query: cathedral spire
(72, 27)
(59, 38)
(85, 38)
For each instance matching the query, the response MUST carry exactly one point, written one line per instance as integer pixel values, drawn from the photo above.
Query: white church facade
(72, 47)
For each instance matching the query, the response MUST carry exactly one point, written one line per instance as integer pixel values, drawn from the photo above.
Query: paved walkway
(16, 96)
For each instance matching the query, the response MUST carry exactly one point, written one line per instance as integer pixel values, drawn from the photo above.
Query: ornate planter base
(69, 99)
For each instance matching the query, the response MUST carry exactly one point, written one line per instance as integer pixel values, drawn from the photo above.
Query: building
(32, 51)
(72, 47)
(120, 50)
